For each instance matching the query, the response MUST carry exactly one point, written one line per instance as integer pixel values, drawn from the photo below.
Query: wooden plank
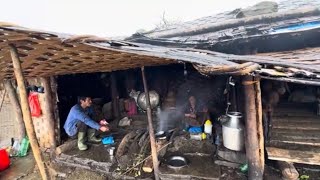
(296, 156)
(292, 140)
(296, 133)
(294, 119)
(297, 126)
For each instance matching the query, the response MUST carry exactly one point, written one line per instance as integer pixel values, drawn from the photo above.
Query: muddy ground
(30, 172)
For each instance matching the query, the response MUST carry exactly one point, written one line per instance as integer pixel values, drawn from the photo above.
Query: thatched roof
(48, 54)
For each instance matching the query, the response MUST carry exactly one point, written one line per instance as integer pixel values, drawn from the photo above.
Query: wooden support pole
(253, 151)
(259, 120)
(115, 95)
(54, 88)
(17, 108)
(48, 111)
(151, 130)
(26, 112)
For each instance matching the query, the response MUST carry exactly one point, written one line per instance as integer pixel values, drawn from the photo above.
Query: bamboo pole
(17, 108)
(48, 111)
(151, 130)
(252, 137)
(26, 112)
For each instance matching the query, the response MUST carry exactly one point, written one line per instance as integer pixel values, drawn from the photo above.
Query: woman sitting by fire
(195, 113)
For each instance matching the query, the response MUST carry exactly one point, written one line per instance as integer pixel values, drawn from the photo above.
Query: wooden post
(26, 112)
(48, 111)
(151, 130)
(115, 95)
(17, 108)
(54, 88)
(253, 129)
(259, 121)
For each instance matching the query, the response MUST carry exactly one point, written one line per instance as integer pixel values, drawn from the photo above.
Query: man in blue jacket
(78, 121)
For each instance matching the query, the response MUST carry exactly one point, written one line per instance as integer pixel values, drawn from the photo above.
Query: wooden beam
(312, 82)
(26, 112)
(17, 108)
(66, 146)
(256, 168)
(151, 130)
(48, 111)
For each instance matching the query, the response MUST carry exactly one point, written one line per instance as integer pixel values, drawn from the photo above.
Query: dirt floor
(25, 169)
(200, 154)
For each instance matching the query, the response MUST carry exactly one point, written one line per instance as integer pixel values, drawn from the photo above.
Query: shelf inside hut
(295, 134)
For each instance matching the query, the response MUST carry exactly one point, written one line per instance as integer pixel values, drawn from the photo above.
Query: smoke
(170, 118)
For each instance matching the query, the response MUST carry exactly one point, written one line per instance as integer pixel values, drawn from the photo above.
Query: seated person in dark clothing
(195, 114)
(78, 121)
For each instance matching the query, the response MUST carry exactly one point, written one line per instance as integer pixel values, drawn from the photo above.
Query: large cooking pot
(232, 132)
(154, 100)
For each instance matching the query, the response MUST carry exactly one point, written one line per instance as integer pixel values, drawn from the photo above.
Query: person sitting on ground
(78, 121)
(195, 114)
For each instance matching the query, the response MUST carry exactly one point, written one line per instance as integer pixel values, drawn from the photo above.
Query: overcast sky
(109, 17)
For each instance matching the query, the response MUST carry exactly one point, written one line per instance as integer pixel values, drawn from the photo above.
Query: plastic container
(4, 160)
(24, 147)
(217, 140)
(244, 168)
(199, 136)
(107, 140)
(111, 151)
(208, 127)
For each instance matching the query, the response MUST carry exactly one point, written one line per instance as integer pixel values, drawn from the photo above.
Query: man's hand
(103, 122)
(104, 128)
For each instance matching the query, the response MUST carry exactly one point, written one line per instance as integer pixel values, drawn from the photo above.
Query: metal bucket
(232, 132)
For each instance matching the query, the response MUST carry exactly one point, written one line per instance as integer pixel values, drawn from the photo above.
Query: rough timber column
(48, 109)
(26, 112)
(254, 132)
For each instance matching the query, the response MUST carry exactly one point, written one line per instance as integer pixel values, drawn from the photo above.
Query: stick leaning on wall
(26, 112)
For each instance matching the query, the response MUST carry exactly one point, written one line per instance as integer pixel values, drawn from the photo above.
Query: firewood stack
(133, 153)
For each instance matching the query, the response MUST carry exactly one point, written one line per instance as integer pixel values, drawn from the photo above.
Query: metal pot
(233, 132)
(154, 100)
(177, 162)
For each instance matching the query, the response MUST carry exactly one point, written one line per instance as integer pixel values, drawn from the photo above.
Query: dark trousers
(82, 127)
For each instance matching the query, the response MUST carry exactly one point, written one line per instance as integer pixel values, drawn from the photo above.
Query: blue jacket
(76, 114)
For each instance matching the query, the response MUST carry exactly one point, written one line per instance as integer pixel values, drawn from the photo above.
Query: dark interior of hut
(291, 120)
(173, 83)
